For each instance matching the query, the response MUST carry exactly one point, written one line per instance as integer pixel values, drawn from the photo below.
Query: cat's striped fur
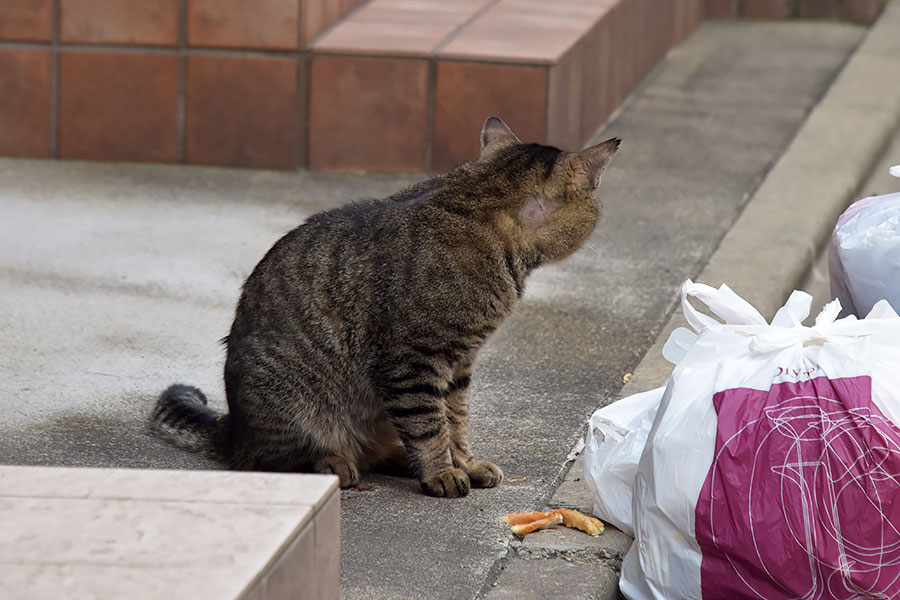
(354, 339)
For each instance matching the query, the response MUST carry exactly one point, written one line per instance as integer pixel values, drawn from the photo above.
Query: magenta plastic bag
(801, 500)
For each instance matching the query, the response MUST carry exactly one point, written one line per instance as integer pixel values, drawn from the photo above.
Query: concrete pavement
(116, 280)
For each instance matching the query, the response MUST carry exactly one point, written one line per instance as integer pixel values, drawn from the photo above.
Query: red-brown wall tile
(680, 26)
(817, 9)
(766, 9)
(148, 22)
(25, 103)
(719, 9)
(241, 111)
(661, 24)
(863, 11)
(302, 113)
(859, 11)
(243, 24)
(659, 28)
(596, 79)
(622, 51)
(633, 30)
(468, 93)
(118, 106)
(367, 113)
(690, 15)
(27, 20)
(564, 100)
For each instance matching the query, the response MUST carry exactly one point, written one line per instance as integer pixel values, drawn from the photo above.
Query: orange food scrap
(526, 528)
(524, 523)
(524, 517)
(576, 520)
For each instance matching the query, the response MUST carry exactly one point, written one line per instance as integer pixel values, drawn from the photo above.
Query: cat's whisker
(600, 234)
(593, 248)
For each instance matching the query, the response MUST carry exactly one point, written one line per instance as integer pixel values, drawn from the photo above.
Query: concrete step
(142, 534)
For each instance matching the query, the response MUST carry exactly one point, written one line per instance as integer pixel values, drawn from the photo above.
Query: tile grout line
(430, 108)
(506, 62)
(54, 79)
(304, 91)
(181, 99)
(547, 91)
(453, 34)
(301, 96)
(139, 49)
(327, 30)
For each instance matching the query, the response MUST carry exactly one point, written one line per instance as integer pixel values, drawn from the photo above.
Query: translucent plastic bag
(864, 253)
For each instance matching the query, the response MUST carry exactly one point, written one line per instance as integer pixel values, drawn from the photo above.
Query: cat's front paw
(452, 483)
(484, 474)
(346, 470)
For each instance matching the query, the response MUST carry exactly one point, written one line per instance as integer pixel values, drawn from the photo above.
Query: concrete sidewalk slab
(117, 280)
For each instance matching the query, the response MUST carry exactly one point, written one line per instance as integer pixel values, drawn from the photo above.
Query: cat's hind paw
(484, 474)
(452, 483)
(346, 470)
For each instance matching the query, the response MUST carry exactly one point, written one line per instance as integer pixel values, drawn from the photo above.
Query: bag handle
(794, 311)
(722, 302)
(828, 328)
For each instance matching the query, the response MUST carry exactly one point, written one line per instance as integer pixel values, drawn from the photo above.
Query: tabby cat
(354, 338)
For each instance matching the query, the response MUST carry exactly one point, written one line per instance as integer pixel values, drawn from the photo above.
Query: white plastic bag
(615, 440)
(771, 469)
(864, 253)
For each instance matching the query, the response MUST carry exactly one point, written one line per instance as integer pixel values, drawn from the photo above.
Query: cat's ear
(595, 159)
(495, 134)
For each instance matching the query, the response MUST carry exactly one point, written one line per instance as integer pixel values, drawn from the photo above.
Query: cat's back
(342, 260)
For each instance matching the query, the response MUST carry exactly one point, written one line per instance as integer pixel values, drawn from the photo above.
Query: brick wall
(393, 85)
(217, 82)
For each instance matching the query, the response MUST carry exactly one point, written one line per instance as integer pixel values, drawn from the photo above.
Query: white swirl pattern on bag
(830, 459)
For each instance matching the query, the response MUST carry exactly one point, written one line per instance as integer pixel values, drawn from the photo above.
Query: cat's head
(550, 201)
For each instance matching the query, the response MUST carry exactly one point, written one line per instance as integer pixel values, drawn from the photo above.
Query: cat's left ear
(496, 134)
(595, 159)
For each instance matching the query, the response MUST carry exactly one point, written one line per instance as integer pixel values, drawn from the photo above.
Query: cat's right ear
(595, 159)
(495, 134)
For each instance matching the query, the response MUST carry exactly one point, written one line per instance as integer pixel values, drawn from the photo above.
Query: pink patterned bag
(773, 467)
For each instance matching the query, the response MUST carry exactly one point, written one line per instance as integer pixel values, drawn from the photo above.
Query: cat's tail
(183, 418)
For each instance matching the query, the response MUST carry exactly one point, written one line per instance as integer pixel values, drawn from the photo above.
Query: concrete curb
(789, 219)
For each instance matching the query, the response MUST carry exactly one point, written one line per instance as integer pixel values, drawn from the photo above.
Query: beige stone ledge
(146, 534)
